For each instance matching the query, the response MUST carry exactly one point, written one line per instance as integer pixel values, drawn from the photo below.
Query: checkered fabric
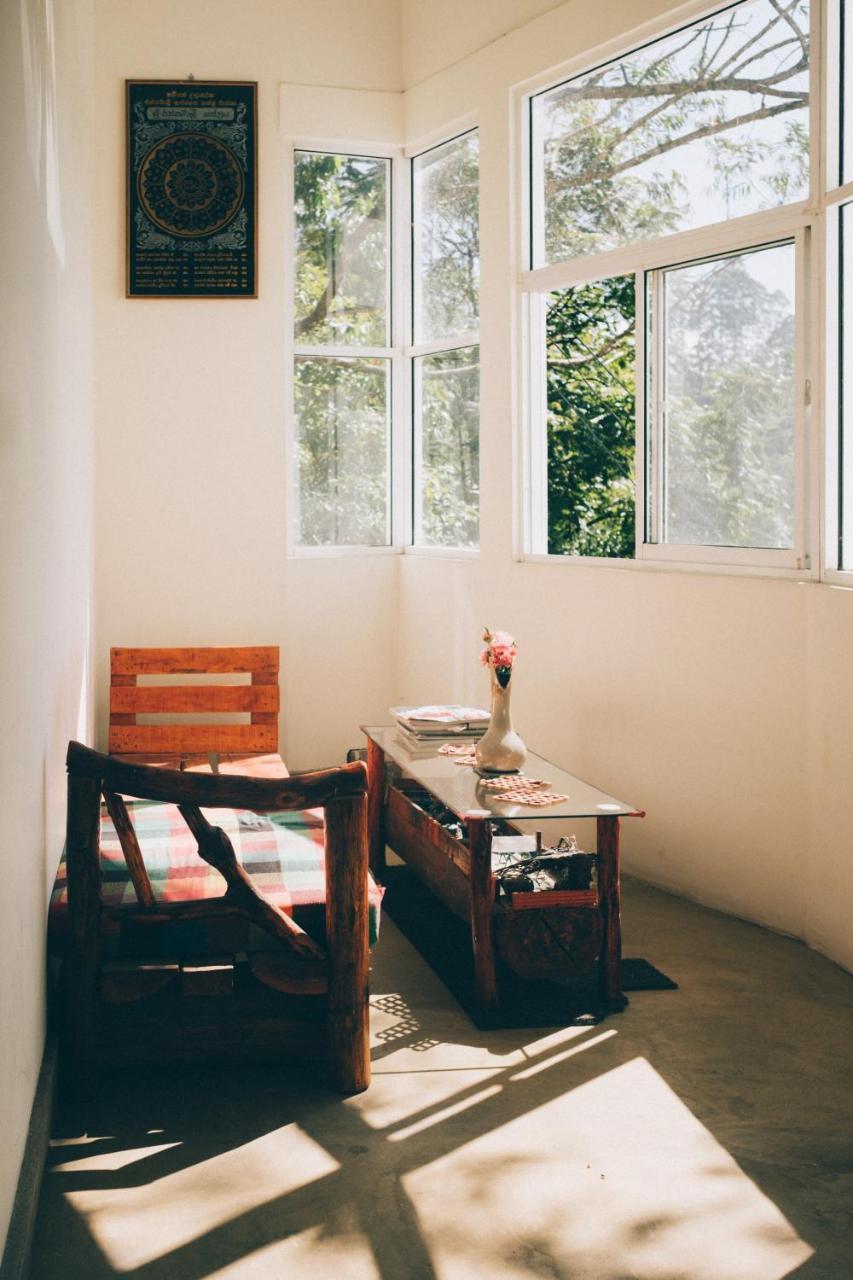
(284, 853)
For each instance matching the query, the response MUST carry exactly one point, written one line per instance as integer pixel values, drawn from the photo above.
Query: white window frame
(803, 222)
(413, 350)
(394, 352)
(836, 195)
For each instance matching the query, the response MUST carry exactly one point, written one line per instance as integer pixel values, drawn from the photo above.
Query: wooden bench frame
(340, 969)
(112, 1016)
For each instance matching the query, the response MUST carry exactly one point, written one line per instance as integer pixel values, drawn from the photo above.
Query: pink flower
(500, 649)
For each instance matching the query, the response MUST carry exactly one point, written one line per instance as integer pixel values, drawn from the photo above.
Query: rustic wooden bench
(296, 998)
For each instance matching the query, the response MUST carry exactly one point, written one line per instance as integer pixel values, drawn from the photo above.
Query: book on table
(450, 720)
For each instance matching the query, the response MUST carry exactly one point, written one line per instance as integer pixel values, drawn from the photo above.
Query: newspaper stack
(422, 729)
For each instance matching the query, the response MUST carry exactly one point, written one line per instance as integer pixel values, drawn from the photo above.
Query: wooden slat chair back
(129, 699)
(103, 1022)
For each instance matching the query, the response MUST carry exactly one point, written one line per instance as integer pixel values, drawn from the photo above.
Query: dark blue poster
(191, 189)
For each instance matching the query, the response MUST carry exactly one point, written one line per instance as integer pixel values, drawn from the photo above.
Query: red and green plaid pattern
(284, 853)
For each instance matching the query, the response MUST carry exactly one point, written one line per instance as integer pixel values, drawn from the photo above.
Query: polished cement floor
(703, 1134)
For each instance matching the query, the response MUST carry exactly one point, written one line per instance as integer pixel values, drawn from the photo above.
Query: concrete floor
(703, 1134)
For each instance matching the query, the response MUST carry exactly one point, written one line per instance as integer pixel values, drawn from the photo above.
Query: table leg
(376, 807)
(482, 898)
(608, 892)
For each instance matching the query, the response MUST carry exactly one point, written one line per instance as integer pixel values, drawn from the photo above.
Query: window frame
(801, 221)
(414, 350)
(395, 352)
(835, 196)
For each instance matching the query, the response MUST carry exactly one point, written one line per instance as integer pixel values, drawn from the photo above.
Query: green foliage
(450, 448)
(447, 277)
(590, 333)
(342, 405)
(342, 238)
(446, 194)
(344, 452)
(730, 459)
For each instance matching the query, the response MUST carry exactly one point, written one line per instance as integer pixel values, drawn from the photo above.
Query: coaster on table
(521, 790)
(536, 798)
(511, 782)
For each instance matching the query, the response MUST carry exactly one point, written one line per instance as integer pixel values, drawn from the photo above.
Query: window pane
(728, 401)
(846, 356)
(706, 124)
(342, 281)
(591, 426)
(343, 445)
(447, 395)
(446, 239)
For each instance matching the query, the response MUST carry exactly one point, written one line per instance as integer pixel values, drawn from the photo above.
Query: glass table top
(458, 787)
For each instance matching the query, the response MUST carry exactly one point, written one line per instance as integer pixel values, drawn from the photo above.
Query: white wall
(45, 502)
(191, 481)
(724, 706)
(438, 33)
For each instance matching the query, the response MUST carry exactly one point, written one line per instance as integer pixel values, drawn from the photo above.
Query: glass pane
(706, 124)
(343, 443)
(342, 237)
(728, 401)
(591, 424)
(460, 790)
(446, 239)
(447, 400)
(846, 353)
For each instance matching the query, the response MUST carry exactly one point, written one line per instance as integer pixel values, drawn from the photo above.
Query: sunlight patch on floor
(112, 1160)
(137, 1224)
(310, 1253)
(613, 1178)
(401, 1098)
(445, 1113)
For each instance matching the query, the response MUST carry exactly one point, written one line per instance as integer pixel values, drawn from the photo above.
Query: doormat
(444, 941)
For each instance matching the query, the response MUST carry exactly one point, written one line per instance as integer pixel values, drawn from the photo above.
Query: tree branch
(706, 131)
(766, 85)
(576, 362)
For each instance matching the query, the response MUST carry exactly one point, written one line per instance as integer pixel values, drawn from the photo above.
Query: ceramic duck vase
(500, 750)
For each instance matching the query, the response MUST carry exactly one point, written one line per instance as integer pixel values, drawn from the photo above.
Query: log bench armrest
(341, 792)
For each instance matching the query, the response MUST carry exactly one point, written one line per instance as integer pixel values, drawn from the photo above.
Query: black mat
(444, 941)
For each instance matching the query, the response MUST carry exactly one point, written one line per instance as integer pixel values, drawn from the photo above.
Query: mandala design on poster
(190, 184)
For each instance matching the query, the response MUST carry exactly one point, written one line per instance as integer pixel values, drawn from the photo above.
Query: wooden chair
(302, 999)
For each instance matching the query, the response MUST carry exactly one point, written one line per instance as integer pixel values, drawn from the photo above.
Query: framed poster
(191, 189)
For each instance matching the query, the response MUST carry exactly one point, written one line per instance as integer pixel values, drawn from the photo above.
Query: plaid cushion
(284, 853)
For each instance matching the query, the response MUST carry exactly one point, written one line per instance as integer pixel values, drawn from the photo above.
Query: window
(725, 417)
(342, 349)
(445, 350)
(348, 370)
(669, 233)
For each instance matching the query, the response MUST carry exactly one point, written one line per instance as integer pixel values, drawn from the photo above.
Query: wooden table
(460, 870)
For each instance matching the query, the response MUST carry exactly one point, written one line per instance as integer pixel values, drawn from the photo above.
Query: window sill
(719, 569)
(335, 553)
(444, 553)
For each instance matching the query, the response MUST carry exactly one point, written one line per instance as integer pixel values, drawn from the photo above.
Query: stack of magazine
(422, 729)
